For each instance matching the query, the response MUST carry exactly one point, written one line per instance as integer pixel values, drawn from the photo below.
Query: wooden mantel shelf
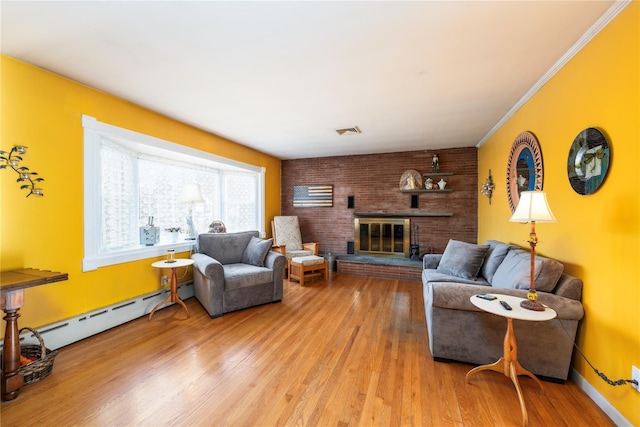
(401, 214)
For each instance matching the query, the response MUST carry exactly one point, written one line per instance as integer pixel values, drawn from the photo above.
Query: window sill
(135, 254)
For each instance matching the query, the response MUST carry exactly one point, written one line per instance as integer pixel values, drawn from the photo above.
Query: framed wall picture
(524, 169)
(313, 196)
(588, 162)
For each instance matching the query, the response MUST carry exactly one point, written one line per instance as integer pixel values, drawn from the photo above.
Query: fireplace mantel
(379, 214)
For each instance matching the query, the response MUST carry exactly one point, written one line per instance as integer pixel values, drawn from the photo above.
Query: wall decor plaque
(588, 162)
(524, 169)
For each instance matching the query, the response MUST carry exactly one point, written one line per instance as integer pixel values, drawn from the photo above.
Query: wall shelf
(446, 190)
(438, 174)
(401, 214)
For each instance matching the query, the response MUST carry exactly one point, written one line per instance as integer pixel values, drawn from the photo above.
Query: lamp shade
(191, 194)
(532, 207)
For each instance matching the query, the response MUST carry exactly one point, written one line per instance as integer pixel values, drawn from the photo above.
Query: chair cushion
(287, 232)
(308, 260)
(227, 248)
(238, 276)
(256, 251)
(462, 259)
(294, 254)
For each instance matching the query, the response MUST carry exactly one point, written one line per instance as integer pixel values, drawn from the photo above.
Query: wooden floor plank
(349, 352)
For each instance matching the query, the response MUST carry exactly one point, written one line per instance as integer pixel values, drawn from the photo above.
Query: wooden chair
(287, 239)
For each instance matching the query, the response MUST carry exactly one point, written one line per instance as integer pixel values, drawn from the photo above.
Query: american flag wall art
(312, 196)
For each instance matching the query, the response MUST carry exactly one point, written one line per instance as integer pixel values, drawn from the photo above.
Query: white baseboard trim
(68, 331)
(599, 400)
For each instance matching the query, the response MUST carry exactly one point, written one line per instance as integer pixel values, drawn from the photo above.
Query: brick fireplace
(367, 186)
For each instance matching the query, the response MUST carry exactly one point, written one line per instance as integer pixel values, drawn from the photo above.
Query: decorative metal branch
(25, 176)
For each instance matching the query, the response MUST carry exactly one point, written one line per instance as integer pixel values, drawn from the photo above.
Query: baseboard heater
(68, 331)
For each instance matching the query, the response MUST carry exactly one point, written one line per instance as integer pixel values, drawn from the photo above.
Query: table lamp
(532, 208)
(191, 194)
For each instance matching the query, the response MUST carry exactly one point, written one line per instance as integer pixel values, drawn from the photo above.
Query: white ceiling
(281, 77)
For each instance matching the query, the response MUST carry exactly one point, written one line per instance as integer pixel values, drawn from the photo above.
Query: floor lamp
(532, 208)
(191, 194)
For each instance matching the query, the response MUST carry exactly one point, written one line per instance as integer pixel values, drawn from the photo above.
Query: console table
(12, 286)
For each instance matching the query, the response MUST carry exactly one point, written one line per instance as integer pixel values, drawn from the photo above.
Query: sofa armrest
(431, 261)
(275, 261)
(458, 297)
(569, 287)
(209, 267)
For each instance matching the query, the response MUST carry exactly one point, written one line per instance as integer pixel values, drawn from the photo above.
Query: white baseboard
(599, 400)
(68, 331)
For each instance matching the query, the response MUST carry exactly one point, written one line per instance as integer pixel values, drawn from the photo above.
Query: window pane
(117, 168)
(241, 190)
(161, 184)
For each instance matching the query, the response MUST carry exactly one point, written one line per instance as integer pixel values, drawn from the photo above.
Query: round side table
(508, 364)
(173, 295)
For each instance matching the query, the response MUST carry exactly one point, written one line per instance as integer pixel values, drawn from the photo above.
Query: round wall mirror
(524, 170)
(588, 162)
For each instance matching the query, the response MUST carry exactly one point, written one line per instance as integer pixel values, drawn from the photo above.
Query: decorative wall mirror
(524, 170)
(588, 162)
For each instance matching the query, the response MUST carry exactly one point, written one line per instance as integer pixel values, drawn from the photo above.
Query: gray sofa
(460, 331)
(233, 271)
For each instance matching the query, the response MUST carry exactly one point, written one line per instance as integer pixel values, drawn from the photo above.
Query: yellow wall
(597, 236)
(43, 111)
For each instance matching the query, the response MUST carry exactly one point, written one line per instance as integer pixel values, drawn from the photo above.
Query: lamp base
(532, 305)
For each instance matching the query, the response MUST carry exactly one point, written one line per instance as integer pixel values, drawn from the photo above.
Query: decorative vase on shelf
(428, 184)
(174, 236)
(442, 183)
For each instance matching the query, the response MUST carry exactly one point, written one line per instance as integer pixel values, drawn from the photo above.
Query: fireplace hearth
(384, 237)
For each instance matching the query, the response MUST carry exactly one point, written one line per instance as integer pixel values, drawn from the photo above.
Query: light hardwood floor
(350, 352)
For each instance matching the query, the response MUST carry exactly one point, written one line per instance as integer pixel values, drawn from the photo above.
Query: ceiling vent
(348, 131)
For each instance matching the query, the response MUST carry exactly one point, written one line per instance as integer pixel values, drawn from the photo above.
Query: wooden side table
(508, 364)
(173, 295)
(12, 286)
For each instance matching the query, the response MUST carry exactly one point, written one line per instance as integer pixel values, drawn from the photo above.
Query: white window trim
(93, 257)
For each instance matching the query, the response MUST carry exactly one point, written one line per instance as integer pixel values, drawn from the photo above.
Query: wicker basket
(38, 369)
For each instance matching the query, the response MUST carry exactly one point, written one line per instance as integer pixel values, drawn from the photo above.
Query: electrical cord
(600, 374)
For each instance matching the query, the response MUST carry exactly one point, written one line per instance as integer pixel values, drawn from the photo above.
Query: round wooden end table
(173, 295)
(508, 364)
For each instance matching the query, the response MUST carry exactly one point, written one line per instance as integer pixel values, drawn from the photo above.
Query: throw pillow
(256, 251)
(495, 255)
(514, 272)
(462, 259)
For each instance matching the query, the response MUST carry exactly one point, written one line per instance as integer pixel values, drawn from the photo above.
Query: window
(130, 177)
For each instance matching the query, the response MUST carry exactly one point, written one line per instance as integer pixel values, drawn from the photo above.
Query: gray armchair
(233, 271)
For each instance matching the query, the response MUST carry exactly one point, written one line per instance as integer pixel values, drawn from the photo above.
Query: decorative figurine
(428, 184)
(442, 183)
(435, 163)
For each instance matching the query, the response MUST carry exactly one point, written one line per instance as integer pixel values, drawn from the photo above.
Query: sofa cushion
(495, 255)
(514, 272)
(432, 276)
(256, 251)
(462, 259)
(227, 248)
(238, 276)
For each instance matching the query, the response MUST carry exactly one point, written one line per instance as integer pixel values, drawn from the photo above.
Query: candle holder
(28, 178)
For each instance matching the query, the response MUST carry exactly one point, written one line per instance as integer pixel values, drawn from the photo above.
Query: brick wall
(386, 271)
(373, 180)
